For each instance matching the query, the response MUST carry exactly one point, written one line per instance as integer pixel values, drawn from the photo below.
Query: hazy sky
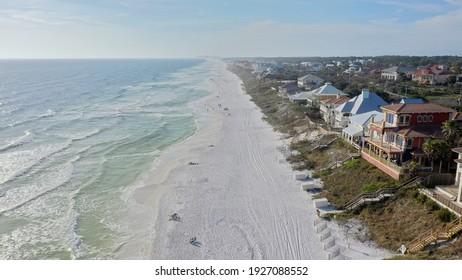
(188, 28)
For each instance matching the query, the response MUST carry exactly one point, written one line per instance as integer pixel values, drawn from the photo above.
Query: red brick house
(399, 138)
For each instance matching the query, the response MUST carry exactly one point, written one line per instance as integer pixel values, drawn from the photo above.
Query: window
(400, 141)
(430, 118)
(392, 138)
(390, 118)
(424, 119)
(409, 143)
(404, 119)
(419, 119)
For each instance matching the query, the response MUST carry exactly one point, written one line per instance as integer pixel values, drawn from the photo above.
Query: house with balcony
(395, 73)
(365, 102)
(359, 127)
(328, 105)
(399, 137)
(437, 74)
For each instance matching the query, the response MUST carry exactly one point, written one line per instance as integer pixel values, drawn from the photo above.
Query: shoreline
(240, 201)
(150, 186)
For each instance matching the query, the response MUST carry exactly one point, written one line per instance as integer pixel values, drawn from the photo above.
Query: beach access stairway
(380, 194)
(433, 236)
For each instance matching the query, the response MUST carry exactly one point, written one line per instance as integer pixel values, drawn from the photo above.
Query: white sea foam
(17, 197)
(14, 164)
(49, 113)
(15, 142)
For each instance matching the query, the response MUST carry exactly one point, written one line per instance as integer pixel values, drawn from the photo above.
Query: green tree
(431, 150)
(451, 131)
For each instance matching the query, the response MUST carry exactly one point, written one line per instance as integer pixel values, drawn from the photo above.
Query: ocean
(76, 136)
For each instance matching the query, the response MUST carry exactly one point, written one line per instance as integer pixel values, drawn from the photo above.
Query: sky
(228, 28)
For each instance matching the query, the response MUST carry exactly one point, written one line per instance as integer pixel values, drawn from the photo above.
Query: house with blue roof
(324, 92)
(363, 103)
(359, 126)
(412, 101)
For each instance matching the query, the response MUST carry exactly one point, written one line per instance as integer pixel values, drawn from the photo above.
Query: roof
(365, 102)
(352, 130)
(397, 69)
(412, 101)
(300, 96)
(422, 131)
(327, 90)
(457, 150)
(362, 119)
(335, 100)
(456, 116)
(418, 108)
(310, 77)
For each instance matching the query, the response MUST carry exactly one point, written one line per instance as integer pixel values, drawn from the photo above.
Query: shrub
(369, 188)
(422, 198)
(321, 173)
(432, 205)
(445, 215)
(352, 164)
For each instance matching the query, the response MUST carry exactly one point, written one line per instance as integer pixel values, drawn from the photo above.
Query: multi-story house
(328, 105)
(436, 74)
(365, 102)
(395, 73)
(326, 91)
(359, 127)
(400, 136)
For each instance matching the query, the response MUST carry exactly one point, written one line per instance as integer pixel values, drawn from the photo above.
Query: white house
(325, 92)
(309, 82)
(327, 107)
(458, 174)
(359, 126)
(365, 102)
(394, 73)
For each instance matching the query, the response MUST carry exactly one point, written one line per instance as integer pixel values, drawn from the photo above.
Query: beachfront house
(300, 97)
(363, 103)
(288, 89)
(359, 127)
(309, 82)
(458, 182)
(431, 75)
(328, 105)
(399, 137)
(326, 91)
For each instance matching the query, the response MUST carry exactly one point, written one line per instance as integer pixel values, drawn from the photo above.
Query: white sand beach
(238, 199)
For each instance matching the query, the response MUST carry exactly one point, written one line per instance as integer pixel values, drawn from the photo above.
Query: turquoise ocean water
(74, 137)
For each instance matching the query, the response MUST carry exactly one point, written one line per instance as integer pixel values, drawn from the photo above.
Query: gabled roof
(365, 102)
(422, 131)
(456, 116)
(327, 90)
(335, 100)
(362, 119)
(310, 77)
(397, 69)
(412, 101)
(300, 96)
(418, 108)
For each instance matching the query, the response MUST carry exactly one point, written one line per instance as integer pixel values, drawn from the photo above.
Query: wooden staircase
(434, 235)
(379, 195)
